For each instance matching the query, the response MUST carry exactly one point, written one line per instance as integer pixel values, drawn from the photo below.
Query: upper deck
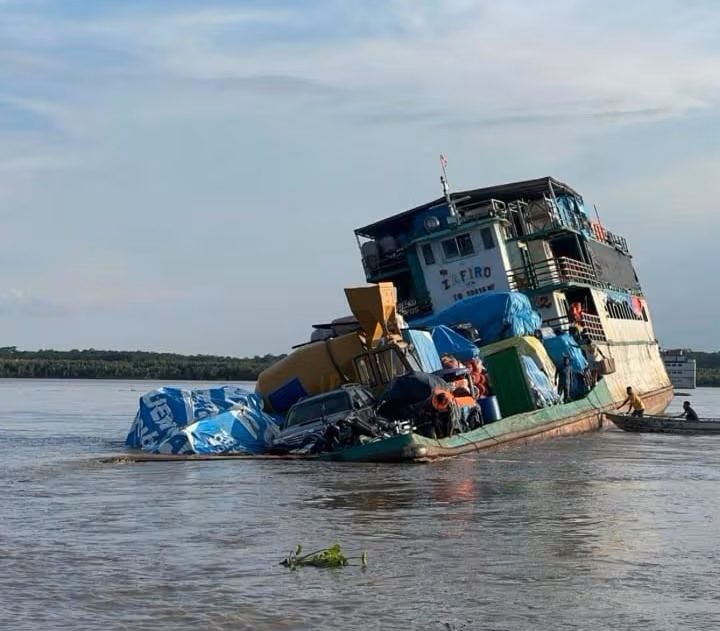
(528, 236)
(468, 204)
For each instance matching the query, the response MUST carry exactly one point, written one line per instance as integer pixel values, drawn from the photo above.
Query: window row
(458, 247)
(620, 310)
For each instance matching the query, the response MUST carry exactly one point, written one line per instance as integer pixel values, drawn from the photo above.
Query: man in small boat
(688, 413)
(634, 403)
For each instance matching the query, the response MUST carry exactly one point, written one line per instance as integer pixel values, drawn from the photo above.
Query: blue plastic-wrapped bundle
(425, 349)
(205, 421)
(496, 316)
(542, 389)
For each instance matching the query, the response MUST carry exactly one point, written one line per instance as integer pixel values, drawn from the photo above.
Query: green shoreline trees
(101, 364)
(708, 368)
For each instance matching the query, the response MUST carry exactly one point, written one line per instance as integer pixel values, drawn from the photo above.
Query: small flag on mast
(443, 161)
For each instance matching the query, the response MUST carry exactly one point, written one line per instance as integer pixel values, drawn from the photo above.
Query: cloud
(468, 60)
(182, 148)
(475, 63)
(37, 162)
(19, 302)
(514, 118)
(271, 85)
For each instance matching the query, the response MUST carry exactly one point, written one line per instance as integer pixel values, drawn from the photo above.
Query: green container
(508, 382)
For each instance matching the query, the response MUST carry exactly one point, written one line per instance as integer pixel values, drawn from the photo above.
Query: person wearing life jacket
(576, 312)
(478, 376)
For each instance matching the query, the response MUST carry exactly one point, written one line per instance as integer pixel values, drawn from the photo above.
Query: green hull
(571, 418)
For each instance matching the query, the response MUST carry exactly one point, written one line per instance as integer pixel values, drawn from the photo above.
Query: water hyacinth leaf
(327, 557)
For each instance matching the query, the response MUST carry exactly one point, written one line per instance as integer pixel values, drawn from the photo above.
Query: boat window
(487, 238)
(450, 249)
(461, 245)
(428, 254)
(465, 245)
(314, 409)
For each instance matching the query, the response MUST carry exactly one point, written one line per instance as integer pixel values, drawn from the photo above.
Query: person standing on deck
(563, 379)
(634, 402)
(689, 413)
(595, 358)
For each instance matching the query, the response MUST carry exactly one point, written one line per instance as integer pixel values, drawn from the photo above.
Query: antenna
(597, 214)
(446, 186)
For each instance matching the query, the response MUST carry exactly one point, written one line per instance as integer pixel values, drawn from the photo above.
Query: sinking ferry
(528, 281)
(494, 316)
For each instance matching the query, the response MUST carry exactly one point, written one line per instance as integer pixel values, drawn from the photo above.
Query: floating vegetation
(327, 557)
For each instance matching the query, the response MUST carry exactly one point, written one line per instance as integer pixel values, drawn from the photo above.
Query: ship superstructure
(533, 236)
(495, 316)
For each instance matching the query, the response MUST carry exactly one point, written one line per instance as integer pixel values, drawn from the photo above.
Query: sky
(186, 176)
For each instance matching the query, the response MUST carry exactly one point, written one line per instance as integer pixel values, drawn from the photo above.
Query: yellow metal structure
(318, 366)
(322, 366)
(375, 309)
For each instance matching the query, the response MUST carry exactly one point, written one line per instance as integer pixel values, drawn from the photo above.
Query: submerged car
(328, 420)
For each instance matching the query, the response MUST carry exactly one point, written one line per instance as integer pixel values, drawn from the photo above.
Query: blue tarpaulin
(565, 345)
(448, 341)
(496, 315)
(216, 420)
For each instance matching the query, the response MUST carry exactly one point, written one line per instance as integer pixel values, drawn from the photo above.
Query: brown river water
(602, 531)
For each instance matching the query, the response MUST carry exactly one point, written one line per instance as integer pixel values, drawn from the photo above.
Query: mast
(446, 186)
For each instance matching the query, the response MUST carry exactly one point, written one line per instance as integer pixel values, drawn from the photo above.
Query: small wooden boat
(664, 424)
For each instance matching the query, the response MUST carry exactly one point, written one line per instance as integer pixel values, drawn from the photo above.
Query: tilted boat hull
(664, 425)
(585, 415)
(581, 416)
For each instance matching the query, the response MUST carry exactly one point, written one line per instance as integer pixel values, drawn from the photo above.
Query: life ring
(441, 399)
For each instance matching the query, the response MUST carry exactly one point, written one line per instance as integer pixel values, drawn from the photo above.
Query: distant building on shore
(680, 367)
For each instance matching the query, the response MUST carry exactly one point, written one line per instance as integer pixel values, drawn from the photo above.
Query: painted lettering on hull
(475, 291)
(464, 275)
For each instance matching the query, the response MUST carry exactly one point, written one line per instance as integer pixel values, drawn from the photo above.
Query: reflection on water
(604, 531)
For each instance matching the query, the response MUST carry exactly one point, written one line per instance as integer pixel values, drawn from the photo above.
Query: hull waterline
(578, 417)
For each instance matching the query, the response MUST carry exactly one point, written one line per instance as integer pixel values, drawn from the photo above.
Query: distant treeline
(96, 364)
(708, 368)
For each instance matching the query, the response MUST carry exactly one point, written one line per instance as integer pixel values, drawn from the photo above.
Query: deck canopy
(527, 189)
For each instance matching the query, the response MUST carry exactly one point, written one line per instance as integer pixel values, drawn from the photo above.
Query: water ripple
(608, 531)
